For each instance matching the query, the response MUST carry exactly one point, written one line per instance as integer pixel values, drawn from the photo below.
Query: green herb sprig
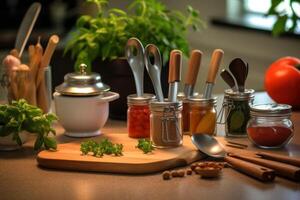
(145, 145)
(20, 116)
(105, 146)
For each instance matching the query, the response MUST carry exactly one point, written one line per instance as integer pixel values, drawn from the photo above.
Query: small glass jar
(185, 113)
(270, 125)
(138, 116)
(165, 124)
(237, 111)
(202, 115)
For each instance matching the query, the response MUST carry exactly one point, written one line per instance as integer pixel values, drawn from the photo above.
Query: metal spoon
(136, 62)
(154, 69)
(210, 146)
(238, 69)
(229, 79)
(26, 27)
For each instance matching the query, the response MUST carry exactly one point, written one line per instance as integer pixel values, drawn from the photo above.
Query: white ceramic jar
(82, 103)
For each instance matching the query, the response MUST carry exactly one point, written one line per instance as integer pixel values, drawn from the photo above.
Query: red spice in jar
(271, 136)
(138, 121)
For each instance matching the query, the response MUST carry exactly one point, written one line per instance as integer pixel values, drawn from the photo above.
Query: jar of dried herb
(237, 111)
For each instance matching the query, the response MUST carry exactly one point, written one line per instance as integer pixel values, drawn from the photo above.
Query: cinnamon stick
(279, 158)
(281, 169)
(256, 171)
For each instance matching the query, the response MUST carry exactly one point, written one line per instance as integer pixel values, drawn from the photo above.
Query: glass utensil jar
(203, 118)
(270, 125)
(237, 111)
(165, 124)
(185, 113)
(138, 116)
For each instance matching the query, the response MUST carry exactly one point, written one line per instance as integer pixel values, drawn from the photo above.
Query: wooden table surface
(21, 178)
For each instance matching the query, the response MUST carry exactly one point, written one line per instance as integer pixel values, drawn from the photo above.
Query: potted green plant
(104, 36)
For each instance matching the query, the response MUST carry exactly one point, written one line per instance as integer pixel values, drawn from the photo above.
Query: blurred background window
(253, 13)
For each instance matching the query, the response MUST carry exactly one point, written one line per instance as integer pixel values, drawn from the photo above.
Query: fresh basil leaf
(50, 143)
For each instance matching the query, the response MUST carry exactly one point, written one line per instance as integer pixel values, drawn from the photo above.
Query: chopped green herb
(145, 145)
(105, 146)
(20, 116)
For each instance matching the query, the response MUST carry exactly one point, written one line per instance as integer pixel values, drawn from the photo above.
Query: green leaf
(38, 142)
(50, 143)
(279, 26)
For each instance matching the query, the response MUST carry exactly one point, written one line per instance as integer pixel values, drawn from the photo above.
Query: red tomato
(282, 81)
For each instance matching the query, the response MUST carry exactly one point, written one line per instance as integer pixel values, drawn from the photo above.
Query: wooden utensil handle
(280, 158)
(214, 65)
(175, 66)
(52, 43)
(194, 65)
(256, 171)
(282, 169)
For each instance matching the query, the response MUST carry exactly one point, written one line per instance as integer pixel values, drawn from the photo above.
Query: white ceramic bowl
(7, 143)
(83, 116)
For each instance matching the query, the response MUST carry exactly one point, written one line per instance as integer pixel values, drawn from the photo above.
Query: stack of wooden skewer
(28, 81)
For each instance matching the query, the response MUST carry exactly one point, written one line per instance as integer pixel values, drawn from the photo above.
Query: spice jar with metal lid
(185, 113)
(81, 103)
(138, 115)
(237, 111)
(165, 124)
(270, 125)
(202, 115)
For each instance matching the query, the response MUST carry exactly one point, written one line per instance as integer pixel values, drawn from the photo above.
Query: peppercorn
(166, 175)
(181, 173)
(189, 172)
(174, 173)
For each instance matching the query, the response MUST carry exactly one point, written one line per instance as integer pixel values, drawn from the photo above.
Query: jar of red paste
(270, 125)
(138, 115)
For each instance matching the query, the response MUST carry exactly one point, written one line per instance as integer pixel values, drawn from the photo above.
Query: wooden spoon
(229, 79)
(239, 70)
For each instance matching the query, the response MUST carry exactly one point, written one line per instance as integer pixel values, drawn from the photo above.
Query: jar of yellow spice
(203, 115)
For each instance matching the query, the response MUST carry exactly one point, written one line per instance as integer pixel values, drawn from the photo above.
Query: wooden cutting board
(133, 161)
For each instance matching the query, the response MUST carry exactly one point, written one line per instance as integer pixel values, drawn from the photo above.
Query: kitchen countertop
(22, 178)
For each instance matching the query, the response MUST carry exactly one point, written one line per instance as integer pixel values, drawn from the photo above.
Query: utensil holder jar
(202, 115)
(138, 115)
(185, 113)
(166, 124)
(236, 106)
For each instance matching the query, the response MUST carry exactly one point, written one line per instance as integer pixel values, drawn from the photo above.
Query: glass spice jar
(237, 111)
(166, 124)
(138, 116)
(185, 113)
(202, 115)
(270, 125)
